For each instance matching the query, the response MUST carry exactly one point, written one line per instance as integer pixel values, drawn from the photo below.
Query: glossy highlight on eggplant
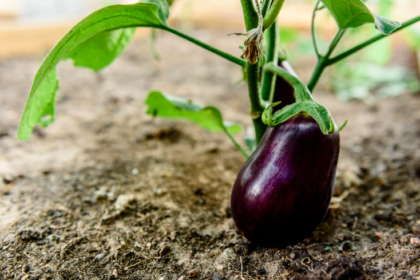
(284, 189)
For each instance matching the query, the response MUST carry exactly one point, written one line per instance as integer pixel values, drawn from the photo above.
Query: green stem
(212, 49)
(272, 13)
(301, 91)
(266, 6)
(268, 78)
(370, 41)
(250, 16)
(313, 29)
(239, 147)
(253, 77)
(323, 60)
(252, 72)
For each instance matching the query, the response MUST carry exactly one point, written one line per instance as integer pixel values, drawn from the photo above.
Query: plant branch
(239, 147)
(268, 78)
(272, 13)
(252, 72)
(212, 49)
(323, 60)
(370, 41)
(288, 77)
(313, 29)
(266, 6)
(253, 77)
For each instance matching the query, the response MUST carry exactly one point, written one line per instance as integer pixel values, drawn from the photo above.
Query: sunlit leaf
(100, 22)
(354, 13)
(101, 50)
(172, 107)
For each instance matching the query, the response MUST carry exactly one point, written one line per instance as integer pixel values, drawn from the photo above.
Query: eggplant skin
(284, 190)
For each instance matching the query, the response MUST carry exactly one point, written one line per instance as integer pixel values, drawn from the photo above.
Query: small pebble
(134, 171)
(415, 241)
(216, 277)
(165, 250)
(416, 229)
(201, 201)
(99, 256)
(181, 278)
(219, 267)
(378, 234)
(158, 192)
(192, 274)
(229, 253)
(7, 179)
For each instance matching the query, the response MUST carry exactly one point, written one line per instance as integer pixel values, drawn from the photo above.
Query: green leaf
(172, 107)
(101, 50)
(354, 13)
(41, 108)
(104, 20)
(163, 12)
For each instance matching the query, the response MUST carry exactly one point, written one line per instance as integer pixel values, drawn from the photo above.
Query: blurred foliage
(368, 74)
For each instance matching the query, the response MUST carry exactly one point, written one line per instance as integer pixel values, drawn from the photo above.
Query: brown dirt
(107, 193)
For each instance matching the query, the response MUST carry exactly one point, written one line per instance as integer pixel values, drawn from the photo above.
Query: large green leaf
(105, 20)
(42, 105)
(102, 49)
(354, 13)
(172, 107)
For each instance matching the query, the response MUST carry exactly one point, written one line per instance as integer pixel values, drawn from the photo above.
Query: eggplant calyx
(304, 104)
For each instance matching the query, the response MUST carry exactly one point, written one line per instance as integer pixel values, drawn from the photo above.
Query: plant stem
(272, 13)
(323, 60)
(252, 73)
(212, 49)
(370, 41)
(266, 6)
(268, 78)
(253, 77)
(239, 147)
(313, 29)
(250, 16)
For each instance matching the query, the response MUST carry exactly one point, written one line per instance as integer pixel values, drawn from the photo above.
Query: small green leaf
(96, 24)
(101, 50)
(343, 126)
(354, 13)
(172, 107)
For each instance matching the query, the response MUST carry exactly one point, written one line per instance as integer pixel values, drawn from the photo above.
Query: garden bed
(107, 192)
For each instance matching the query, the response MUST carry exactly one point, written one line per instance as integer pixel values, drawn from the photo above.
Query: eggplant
(284, 190)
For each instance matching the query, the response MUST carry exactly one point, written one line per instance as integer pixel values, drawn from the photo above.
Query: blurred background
(388, 68)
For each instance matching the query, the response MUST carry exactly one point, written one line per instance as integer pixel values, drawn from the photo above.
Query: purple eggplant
(284, 189)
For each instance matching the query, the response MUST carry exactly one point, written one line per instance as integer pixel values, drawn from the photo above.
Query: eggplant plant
(284, 189)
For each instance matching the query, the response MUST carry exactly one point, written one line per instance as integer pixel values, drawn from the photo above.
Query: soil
(107, 192)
